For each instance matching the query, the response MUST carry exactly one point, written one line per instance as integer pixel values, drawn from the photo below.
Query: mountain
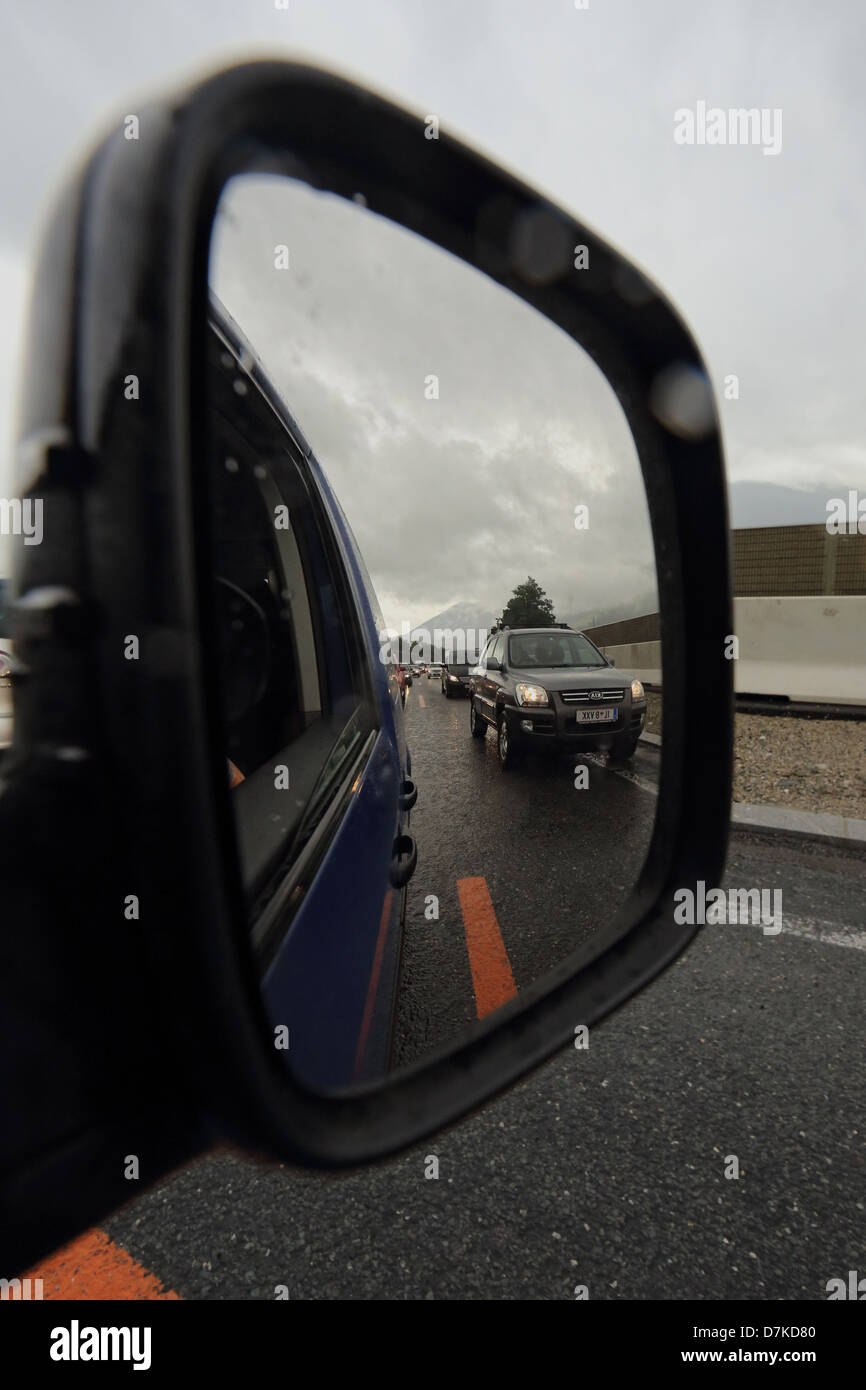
(473, 620)
(597, 616)
(460, 615)
(463, 617)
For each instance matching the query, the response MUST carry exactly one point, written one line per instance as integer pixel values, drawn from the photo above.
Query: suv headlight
(531, 694)
(636, 690)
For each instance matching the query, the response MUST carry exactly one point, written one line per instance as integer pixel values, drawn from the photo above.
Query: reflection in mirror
(440, 800)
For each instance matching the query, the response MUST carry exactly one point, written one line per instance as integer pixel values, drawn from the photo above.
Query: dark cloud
(456, 495)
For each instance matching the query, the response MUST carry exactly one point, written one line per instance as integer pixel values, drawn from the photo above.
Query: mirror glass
(436, 620)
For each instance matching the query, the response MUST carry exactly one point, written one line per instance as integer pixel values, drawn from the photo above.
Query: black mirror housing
(124, 294)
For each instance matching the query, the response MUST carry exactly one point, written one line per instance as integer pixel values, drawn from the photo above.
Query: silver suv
(550, 688)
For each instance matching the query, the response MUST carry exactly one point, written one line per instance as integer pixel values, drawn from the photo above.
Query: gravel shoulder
(816, 765)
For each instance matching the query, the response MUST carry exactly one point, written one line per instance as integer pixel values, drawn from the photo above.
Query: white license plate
(595, 716)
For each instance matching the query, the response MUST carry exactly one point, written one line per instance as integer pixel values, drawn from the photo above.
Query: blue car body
(346, 932)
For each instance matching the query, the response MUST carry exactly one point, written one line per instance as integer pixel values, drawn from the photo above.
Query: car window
(295, 702)
(498, 647)
(553, 648)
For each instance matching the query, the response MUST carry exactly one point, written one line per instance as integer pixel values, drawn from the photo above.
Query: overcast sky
(761, 253)
(459, 428)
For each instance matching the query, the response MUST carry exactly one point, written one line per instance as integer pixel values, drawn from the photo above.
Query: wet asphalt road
(557, 860)
(607, 1166)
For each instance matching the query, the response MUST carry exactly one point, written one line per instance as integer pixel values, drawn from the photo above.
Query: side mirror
(242, 867)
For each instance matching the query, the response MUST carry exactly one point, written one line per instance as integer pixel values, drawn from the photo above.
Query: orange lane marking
(92, 1266)
(421, 701)
(492, 979)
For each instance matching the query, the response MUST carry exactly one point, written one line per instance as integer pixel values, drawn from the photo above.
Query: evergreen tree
(528, 606)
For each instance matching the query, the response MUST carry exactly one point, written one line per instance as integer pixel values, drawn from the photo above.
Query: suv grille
(592, 697)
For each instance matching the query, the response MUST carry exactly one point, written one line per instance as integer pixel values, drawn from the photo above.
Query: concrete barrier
(806, 649)
(810, 649)
(641, 659)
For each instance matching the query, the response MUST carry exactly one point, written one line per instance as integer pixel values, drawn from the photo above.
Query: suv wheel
(477, 722)
(504, 746)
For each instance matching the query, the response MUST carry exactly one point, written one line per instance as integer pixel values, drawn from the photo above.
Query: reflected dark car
(551, 689)
(456, 679)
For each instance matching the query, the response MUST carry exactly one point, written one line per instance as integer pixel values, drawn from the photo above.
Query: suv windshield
(458, 668)
(533, 649)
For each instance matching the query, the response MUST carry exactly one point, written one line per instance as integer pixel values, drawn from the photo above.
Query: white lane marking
(600, 760)
(828, 933)
(808, 928)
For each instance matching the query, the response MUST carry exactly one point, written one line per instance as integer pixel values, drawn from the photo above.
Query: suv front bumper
(557, 728)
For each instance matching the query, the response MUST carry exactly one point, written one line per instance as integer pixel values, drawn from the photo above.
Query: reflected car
(302, 687)
(552, 690)
(456, 679)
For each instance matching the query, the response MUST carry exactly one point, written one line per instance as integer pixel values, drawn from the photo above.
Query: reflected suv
(550, 688)
(456, 679)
